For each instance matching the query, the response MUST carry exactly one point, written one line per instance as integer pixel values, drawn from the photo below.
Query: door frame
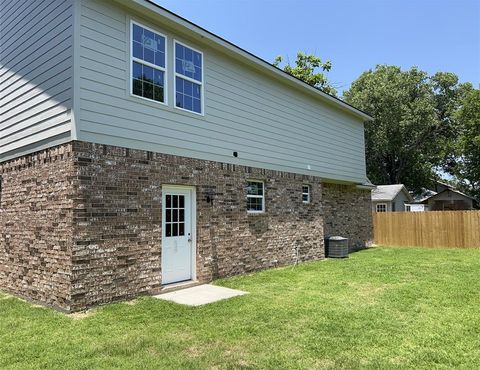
(193, 212)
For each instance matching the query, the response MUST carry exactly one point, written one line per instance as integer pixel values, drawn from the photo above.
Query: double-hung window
(148, 63)
(188, 78)
(255, 197)
(306, 193)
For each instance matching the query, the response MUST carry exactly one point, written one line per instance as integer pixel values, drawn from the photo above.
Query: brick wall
(348, 213)
(117, 243)
(36, 226)
(81, 223)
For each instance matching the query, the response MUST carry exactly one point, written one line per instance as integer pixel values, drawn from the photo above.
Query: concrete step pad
(200, 295)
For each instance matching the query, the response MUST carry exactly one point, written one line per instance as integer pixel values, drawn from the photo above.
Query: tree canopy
(415, 123)
(310, 69)
(466, 166)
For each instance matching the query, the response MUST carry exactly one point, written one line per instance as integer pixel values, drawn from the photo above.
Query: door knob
(189, 238)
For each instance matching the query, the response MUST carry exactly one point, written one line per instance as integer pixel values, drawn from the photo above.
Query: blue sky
(435, 35)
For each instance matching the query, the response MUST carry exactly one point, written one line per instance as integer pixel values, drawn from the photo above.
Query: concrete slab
(200, 295)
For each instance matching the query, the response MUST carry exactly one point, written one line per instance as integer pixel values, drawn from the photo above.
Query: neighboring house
(139, 150)
(390, 198)
(418, 205)
(444, 198)
(449, 200)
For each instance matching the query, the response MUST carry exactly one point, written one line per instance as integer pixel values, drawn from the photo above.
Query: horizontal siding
(36, 67)
(268, 124)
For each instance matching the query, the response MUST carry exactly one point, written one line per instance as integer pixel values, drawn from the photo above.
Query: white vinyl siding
(269, 124)
(36, 68)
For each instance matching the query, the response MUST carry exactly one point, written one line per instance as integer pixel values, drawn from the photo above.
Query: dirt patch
(81, 315)
(194, 351)
(369, 292)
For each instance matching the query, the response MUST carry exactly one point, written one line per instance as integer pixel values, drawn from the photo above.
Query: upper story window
(381, 207)
(148, 63)
(306, 193)
(188, 78)
(255, 197)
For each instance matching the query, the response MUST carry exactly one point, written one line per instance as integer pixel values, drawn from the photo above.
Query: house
(390, 198)
(418, 204)
(139, 150)
(444, 198)
(449, 199)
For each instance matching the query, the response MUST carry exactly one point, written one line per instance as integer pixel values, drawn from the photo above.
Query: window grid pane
(188, 62)
(174, 215)
(188, 95)
(148, 82)
(148, 46)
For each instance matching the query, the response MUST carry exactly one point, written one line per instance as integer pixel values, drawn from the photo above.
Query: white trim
(148, 64)
(257, 196)
(307, 193)
(408, 208)
(175, 74)
(193, 215)
(75, 109)
(381, 204)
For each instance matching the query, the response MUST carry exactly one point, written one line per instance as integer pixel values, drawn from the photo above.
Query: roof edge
(158, 9)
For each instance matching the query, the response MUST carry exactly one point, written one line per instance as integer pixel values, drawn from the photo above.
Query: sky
(355, 35)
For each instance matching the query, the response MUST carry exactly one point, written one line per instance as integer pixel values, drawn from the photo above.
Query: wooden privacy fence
(460, 229)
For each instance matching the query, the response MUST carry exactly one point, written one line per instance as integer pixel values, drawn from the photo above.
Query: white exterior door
(177, 234)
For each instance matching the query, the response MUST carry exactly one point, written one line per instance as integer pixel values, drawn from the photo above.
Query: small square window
(306, 193)
(381, 207)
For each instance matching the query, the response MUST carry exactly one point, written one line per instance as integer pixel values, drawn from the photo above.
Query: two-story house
(138, 150)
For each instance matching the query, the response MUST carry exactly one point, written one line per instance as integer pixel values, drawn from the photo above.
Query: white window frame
(141, 61)
(192, 80)
(257, 196)
(408, 208)
(307, 193)
(381, 204)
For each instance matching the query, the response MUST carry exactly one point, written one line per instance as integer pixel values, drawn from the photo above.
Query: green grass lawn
(381, 308)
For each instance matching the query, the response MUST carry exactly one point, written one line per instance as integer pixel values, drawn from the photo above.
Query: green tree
(307, 68)
(448, 96)
(467, 166)
(413, 125)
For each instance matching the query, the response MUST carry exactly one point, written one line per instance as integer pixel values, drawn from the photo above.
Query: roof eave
(207, 35)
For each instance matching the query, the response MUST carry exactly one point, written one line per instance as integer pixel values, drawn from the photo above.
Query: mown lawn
(381, 308)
